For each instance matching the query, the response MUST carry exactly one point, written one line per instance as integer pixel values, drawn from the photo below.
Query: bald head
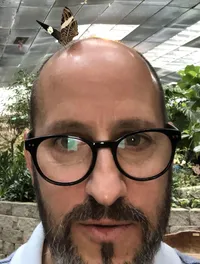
(89, 61)
(98, 50)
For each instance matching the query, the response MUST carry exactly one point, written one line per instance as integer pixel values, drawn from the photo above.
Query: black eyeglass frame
(31, 145)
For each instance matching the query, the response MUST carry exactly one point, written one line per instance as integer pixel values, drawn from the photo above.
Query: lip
(105, 230)
(105, 222)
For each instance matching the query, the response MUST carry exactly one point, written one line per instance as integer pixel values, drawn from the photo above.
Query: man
(100, 155)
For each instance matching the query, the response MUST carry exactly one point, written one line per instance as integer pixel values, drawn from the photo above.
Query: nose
(106, 184)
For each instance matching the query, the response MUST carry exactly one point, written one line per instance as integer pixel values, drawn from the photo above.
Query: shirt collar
(31, 252)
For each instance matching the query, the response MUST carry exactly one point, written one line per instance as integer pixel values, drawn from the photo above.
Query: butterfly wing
(52, 31)
(67, 13)
(69, 26)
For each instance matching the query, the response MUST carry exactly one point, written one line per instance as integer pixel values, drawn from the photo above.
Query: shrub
(15, 180)
(183, 106)
(184, 176)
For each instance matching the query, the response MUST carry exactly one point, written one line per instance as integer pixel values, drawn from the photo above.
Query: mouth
(104, 230)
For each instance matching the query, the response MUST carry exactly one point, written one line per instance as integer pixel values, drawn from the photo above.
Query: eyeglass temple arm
(171, 126)
(29, 134)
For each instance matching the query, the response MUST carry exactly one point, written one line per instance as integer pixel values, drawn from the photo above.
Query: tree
(14, 118)
(15, 180)
(183, 106)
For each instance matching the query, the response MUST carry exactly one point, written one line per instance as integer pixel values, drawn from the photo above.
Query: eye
(63, 142)
(66, 143)
(134, 140)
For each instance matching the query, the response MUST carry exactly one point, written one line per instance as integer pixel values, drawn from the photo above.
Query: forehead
(97, 86)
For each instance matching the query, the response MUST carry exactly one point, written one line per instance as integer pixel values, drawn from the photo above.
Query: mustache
(118, 211)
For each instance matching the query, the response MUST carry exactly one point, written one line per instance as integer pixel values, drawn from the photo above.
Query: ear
(28, 158)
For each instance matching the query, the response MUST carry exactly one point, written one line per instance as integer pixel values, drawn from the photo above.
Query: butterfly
(69, 28)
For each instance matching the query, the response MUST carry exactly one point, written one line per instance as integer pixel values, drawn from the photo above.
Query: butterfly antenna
(52, 31)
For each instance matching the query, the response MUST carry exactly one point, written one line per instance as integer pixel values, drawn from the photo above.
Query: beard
(58, 237)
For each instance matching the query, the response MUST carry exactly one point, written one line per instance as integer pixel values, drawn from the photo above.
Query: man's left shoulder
(187, 259)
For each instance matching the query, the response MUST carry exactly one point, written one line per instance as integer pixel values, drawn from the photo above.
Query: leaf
(187, 78)
(185, 136)
(197, 149)
(192, 73)
(189, 68)
(183, 85)
(196, 104)
(181, 73)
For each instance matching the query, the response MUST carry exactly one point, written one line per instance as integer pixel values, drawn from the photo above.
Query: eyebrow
(66, 126)
(69, 126)
(134, 124)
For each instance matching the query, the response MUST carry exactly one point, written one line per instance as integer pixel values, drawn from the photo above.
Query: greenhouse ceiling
(166, 32)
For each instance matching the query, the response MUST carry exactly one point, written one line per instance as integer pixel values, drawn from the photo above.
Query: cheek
(148, 196)
(61, 200)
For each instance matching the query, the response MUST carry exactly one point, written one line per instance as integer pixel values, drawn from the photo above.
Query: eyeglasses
(67, 160)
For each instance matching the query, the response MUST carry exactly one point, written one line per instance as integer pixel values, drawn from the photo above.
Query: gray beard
(62, 248)
(144, 256)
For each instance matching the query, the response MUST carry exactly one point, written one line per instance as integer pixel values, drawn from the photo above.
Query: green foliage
(183, 106)
(184, 176)
(189, 201)
(15, 180)
(18, 105)
(14, 118)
